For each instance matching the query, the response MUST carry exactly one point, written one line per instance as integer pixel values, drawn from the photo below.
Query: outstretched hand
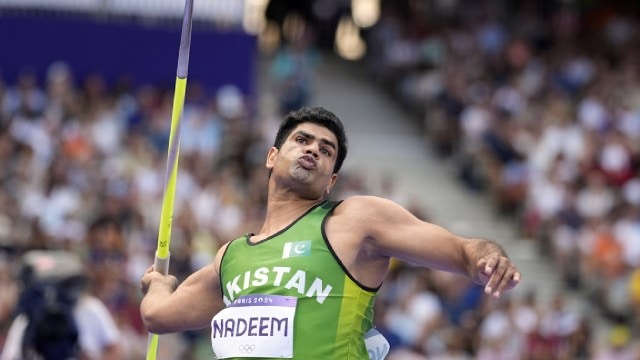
(497, 273)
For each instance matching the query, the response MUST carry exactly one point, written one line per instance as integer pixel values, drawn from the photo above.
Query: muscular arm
(190, 306)
(392, 231)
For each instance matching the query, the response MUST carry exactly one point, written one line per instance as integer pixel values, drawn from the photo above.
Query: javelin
(161, 263)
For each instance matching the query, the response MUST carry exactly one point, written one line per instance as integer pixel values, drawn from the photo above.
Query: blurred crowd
(537, 105)
(546, 125)
(83, 170)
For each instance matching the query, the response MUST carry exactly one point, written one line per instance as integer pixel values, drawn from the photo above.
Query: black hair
(316, 115)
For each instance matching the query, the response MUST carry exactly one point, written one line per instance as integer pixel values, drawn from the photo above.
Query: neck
(281, 212)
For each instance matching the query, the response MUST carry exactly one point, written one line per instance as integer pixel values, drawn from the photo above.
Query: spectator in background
(620, 346)
(573, 102)
(61, 189)
(496, 333)
(417, 312)
(626, 231)
(634, 298)
(294, 69)
(8, 297)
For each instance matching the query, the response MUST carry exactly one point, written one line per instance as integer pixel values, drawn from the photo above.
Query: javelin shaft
(162, 255)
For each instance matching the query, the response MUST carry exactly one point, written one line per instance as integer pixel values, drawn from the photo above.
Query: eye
(301, 140)
(325, 151)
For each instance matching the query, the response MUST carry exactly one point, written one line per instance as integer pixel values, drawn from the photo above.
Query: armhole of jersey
(224, 254)
(335, 256)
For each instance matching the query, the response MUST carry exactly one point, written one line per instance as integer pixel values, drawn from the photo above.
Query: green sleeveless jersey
(333, 311)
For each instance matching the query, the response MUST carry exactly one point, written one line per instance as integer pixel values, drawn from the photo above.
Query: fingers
(498, 274)
(144, 283)
(151, 276)
(148, 276)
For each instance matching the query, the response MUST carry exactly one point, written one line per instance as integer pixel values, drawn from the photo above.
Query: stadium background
(527, 116)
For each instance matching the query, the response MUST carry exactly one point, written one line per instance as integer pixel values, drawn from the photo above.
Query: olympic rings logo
(246, 348)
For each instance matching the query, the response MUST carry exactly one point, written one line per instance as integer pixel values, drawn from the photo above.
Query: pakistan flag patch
(296, 249)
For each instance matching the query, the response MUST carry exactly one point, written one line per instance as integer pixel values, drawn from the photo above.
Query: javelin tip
(185, 40)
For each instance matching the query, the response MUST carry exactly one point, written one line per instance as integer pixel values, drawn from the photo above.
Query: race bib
(376, 344)
(255, 326)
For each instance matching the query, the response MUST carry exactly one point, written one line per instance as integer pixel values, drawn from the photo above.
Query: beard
(300, 174)
(305, 182)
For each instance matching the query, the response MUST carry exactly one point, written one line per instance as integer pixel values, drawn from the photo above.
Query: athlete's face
(307, 158)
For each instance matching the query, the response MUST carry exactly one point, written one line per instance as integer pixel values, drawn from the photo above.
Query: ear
(332, 181)
(271, 157)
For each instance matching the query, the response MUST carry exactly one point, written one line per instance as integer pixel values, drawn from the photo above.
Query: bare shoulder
(351, 214)
(363, 204)
(370, 214)
(370, 207)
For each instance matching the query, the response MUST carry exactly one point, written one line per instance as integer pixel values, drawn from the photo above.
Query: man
(303, 287)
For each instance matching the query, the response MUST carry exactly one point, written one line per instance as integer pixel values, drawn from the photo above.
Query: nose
(312, 149)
